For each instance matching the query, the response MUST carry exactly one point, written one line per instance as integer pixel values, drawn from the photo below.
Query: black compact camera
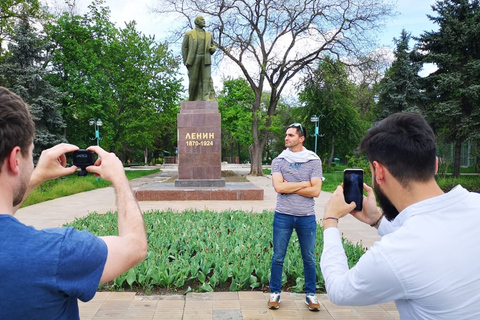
(83, 159)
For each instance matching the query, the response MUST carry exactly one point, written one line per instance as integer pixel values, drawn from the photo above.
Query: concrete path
(199, 306)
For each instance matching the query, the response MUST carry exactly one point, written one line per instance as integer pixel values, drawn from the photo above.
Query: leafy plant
(208, 251)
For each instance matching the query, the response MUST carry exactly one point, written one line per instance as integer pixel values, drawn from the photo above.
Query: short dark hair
(405, 144)
(16, 125)
(302, 132)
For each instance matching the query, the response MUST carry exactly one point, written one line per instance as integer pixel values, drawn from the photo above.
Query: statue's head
(200, 21)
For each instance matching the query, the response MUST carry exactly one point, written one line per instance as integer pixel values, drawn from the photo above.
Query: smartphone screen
(353, 187)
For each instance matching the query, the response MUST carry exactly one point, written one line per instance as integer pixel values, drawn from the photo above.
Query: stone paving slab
(222, 306)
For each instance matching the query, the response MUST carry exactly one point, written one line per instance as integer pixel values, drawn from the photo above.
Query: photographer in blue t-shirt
(46, 271)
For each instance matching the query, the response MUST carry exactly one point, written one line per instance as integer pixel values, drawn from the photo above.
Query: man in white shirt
(428, 259)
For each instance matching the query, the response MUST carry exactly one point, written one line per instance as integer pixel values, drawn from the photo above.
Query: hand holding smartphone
(353, 187)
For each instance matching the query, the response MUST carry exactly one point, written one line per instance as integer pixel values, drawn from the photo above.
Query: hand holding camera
(349, 198)
(52, 164)
(83, 159)
(108, 166)
(353, 187)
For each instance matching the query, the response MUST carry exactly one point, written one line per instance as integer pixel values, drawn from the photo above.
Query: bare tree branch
(273, 40)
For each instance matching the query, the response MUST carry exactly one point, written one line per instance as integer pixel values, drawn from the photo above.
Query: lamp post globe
(97, 124)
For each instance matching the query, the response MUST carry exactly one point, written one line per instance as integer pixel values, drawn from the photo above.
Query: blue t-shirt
(44, 272)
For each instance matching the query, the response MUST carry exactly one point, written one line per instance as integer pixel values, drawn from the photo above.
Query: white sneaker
(274, 302)
(312, 302)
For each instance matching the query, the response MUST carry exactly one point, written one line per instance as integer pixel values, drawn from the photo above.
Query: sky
(411, 16)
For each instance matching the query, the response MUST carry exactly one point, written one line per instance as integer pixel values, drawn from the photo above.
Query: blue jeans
(306, 228)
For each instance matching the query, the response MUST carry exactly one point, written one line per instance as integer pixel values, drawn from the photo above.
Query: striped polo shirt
(292, 203)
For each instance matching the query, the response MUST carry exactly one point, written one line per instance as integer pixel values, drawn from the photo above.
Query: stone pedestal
(199, 145)
(199, 161)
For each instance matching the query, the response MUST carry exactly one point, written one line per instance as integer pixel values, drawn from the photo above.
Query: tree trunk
(457, 153)
(332, 153)
(145, 155)
(256, 148)
(239, 150)
(256, 158)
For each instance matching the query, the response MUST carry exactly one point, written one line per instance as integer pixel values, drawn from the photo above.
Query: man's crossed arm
(310, 188)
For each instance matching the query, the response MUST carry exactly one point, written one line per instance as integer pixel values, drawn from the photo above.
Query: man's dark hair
(302, 132)
(16, 125)
(405, 144)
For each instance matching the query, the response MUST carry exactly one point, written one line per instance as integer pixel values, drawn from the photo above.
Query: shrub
(469, 182)
(360, 162)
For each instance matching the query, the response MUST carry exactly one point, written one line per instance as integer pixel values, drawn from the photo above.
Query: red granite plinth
(199, 142)
(199, 161)
(200, 183)
(168, 192)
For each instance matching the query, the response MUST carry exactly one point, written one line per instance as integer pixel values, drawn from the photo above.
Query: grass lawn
(72, 184)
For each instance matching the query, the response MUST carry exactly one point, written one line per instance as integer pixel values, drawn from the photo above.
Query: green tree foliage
(118, 75)
(400, 88)
(365, 96)
(234, 103)
(454, 89)
(330, 93)
(146, 91)
(10, 13)
(283, 117)
(367, 76)
(79, 65)
(24, 72)
(271, 41)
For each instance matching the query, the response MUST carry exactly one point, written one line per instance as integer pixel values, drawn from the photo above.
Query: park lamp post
(98, 123)
(315, 120)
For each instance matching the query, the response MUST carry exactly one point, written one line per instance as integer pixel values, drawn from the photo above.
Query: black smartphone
(353, 187)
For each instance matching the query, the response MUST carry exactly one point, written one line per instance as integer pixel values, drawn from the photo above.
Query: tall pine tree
(24, 72)
(10, 11)
(454, 89)
(400, 88)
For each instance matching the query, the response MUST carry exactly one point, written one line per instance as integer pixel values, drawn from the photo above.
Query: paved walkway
(200, 306)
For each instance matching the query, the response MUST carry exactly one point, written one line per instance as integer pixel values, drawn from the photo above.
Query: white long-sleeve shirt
(428, 261)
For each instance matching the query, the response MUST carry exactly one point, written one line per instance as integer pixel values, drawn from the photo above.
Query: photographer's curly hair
(16, 125)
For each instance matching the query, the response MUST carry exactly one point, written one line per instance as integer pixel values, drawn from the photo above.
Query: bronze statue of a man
(197, 49)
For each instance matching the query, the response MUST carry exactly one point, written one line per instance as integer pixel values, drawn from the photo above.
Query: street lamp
(315, 119)
(97, 125)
